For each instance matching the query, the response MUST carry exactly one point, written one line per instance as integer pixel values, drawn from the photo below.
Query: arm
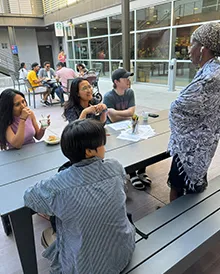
(17, 139)
(39, 197)
(118, 115)
(39, 131)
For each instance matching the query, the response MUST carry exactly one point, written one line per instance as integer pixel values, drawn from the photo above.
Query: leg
(174, 194)
(22, 227)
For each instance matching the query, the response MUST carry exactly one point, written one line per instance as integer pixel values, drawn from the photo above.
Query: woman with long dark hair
(81, 103)
(18, 125)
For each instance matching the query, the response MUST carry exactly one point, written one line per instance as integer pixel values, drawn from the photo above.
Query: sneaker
(43, 103)
(48, 237)
(47, 103)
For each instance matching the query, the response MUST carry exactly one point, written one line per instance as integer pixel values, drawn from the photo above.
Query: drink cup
(44, 122)
(145, 116)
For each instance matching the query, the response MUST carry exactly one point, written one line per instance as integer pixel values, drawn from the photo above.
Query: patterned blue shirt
(195, 122)
(94, 235)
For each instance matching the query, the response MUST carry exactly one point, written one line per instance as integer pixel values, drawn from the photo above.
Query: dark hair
(80, 65)
(34, 65)
(74, 99)
(46, 63)
(60, 64)
(80, 135)
(22, 65)
(6, 112)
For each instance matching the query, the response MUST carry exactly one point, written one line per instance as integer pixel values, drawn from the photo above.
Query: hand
(90, 110)
(25, 113)
(100, 108)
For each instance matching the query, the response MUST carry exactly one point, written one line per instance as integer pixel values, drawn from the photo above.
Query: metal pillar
(125, 5)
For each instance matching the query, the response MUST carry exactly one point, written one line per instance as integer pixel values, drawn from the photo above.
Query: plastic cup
(44, 122)
(145, 116)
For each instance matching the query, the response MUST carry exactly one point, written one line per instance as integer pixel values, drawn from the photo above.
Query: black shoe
(47, 103)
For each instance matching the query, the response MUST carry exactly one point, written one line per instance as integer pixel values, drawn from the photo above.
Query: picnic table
(23, 168)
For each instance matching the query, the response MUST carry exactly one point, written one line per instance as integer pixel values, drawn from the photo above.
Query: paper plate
(54, 142)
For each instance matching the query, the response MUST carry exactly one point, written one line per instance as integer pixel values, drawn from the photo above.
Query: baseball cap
(121, 73)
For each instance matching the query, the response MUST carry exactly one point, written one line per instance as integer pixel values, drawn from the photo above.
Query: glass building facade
(157, 34)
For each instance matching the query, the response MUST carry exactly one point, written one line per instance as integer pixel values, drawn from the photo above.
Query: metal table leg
(22, 226)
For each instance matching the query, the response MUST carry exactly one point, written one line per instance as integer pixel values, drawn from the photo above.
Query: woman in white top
(23, 71)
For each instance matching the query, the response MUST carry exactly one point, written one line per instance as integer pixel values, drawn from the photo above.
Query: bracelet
(23, 119)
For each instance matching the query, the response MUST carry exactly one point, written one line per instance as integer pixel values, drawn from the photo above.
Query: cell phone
(153, 115)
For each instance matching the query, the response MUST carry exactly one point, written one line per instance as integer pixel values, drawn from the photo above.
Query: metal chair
(32, 91)
(16, 81)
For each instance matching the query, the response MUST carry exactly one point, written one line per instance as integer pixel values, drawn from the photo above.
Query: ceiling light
(80, 26)
(155, 15)
(95, 27)
(148, 23)
(196, 8)
(177, 17)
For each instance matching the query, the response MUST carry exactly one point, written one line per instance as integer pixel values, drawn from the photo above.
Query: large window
(80, 31)
(99, 27)
(154, 17)
(115, 23)
(152, 72)
(103, 67)
(81, 49)
(116, 47)
(185, 73)
(99, 48)
(186, 11)
(181, 41)
(153, 44)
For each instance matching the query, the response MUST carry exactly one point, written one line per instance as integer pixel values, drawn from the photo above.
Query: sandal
(136, 183)
(144, 178)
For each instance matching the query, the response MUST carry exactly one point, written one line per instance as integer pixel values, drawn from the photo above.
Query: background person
(62, 57)
(63, 74)
(23, 71)
(194, 116)
(46, 74)
(81, 69)
(37, 83)
(88, 202)
(82, 104)
(120, 102)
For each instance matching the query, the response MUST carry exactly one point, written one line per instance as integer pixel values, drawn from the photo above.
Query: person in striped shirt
(94, 234)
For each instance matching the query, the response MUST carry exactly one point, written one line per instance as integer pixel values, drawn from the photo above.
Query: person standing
(62, 57)
(23, 71)
(120, 102)
(194, 116)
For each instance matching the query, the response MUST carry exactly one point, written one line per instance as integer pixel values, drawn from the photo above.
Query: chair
(16, 81)
(32, 91)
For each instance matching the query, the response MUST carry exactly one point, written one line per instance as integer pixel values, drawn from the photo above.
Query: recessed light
(80, 26)
(47, 28)
(95, 27)
(196, 8)
(148, 23)
(155, 15)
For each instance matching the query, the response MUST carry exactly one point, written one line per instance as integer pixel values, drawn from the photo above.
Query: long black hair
(74, 99)
(6, 112)
(22, 65)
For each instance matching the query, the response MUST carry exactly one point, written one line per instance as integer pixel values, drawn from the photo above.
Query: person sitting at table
(93, 233)
(18, 124)
(120, 102)
(63, 74)
(48, 75)
(81, 69)
(82, 104)
(37, 83)
(194, 116)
